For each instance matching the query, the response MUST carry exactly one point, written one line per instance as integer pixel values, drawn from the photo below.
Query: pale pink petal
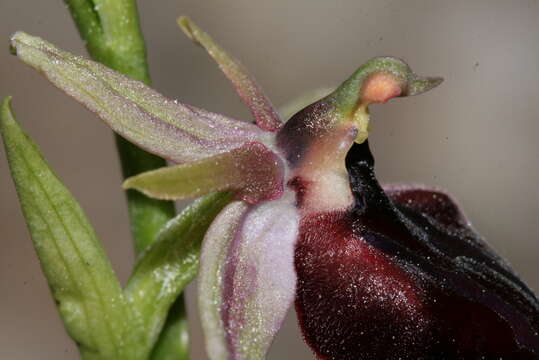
(247, 278)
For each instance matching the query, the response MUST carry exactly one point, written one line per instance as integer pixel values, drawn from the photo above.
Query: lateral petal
(263, 112)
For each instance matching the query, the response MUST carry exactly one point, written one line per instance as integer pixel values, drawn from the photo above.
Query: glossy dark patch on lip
(403, 276)
(302, 129)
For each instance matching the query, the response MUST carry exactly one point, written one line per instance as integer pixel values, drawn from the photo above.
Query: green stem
(111, 32)
(173, 340)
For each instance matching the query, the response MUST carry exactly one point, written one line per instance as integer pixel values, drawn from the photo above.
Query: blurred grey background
(476, 135)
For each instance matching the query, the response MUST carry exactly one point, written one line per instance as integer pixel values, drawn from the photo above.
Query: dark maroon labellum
(402, 275)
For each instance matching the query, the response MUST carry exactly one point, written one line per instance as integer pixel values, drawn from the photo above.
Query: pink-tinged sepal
(250, 92)
(247, 279)
(402, 275)
(175, 131)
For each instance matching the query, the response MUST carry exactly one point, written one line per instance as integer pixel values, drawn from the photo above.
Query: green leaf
(121, 47)
(169, 265)
(82, 282)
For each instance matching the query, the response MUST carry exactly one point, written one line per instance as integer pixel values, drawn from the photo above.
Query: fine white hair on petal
(168, 128)
(212, 263)
(250, 275)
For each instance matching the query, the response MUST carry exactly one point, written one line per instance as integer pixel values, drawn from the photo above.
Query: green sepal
(81, 279)
(169, 264)
(253, 171)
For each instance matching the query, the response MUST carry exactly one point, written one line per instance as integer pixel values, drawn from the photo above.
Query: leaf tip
(6, 115)
(7, 101)
(188, 27)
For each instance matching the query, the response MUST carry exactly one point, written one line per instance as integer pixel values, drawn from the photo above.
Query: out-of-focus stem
(112, 35)
(111, 32)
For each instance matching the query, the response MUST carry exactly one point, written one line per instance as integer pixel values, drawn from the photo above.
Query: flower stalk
(111, 32)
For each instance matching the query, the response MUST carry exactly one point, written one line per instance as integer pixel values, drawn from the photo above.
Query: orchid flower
(375, 272)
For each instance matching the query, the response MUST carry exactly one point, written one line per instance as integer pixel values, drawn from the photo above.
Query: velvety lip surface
(402, 275)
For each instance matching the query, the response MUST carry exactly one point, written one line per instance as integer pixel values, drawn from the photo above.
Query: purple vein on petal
(264, 113)
(259, 278)
(247, 279)
(213, 260)
(178, 132)
(235, 294)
